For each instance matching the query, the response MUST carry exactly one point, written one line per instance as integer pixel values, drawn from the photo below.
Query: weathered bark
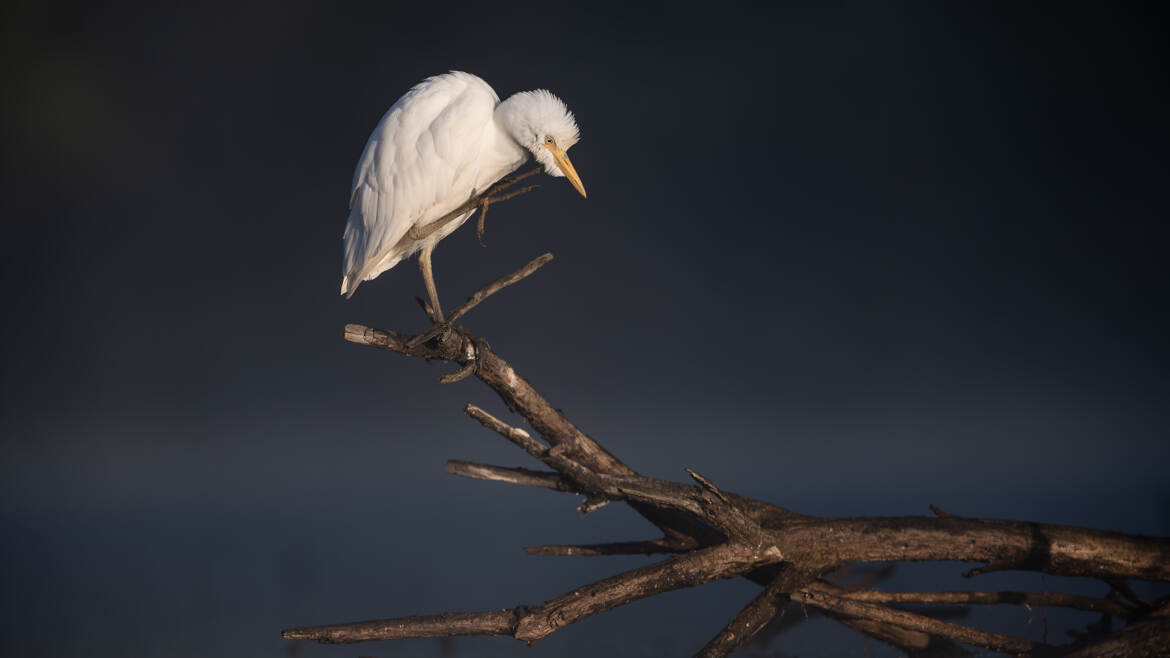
(714, 534)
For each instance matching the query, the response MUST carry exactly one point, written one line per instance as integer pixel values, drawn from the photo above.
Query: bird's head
(541, 123)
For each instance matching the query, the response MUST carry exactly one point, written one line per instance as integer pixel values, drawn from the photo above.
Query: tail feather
(346, 288)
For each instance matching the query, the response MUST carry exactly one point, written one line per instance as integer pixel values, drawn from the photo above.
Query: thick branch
(1047, 548)
(1054, 549)
(516, 392)
(519, 395)
(752, 536)
(1050, 599)
(827, 543)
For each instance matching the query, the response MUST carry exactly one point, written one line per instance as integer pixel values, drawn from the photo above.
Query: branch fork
(710, 534)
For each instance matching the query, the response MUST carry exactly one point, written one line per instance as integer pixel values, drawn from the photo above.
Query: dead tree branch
(714, 534)
(521, 476)
(480, 295)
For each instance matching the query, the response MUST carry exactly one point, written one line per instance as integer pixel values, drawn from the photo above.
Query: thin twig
(521, 476)
(527, 478)
(498, 285)
(591, 504)
(649, 547)
(494, 622)
(480, 295)
(824, 597)
(513, 434)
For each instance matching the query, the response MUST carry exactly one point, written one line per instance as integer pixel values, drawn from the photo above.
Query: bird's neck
(501, 155)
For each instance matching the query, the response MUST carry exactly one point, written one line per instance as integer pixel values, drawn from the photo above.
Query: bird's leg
(487, 200)
(505, 183)
(424, 265)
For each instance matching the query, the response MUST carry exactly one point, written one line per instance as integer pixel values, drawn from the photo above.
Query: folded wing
(420, 163)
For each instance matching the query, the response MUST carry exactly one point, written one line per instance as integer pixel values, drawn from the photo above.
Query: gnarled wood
(716, 534)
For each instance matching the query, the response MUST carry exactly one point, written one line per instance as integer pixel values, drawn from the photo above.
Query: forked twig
(479, 296)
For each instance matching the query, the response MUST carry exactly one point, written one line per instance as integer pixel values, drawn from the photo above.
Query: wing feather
(420, 163)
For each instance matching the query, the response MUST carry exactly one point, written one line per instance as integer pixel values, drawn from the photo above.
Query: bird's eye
(548, 140)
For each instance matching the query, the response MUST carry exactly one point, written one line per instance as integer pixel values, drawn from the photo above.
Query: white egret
(446, 140)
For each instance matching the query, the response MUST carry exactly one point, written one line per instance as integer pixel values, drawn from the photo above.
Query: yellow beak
(566, 167)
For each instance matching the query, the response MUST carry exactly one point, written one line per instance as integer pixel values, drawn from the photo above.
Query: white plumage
(446, 140)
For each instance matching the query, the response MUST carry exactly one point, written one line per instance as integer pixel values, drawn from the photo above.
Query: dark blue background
(852, 259)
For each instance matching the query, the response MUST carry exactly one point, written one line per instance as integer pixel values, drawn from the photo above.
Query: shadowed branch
(714, 534)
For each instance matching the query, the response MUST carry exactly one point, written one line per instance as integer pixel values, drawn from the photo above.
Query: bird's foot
(438, 330)
(470, 359)
(438, 333)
